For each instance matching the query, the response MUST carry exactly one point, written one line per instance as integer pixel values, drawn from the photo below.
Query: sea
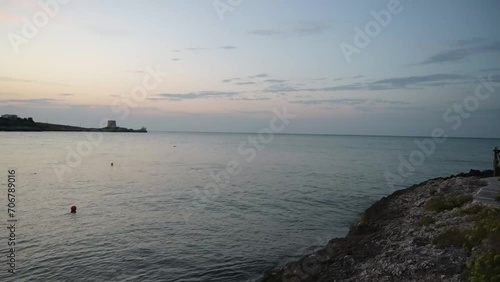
(197, 206)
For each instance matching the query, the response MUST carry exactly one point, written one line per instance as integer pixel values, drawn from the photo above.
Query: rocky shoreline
(432, 231)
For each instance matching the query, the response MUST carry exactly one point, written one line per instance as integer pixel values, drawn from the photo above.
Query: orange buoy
(73, 209)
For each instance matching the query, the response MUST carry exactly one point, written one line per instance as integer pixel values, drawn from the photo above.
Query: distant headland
(15, 123)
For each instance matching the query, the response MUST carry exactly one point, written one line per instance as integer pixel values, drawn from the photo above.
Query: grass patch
(485, 232)
(440, 204)
(471, 210)
(497, 198)
(427, 220)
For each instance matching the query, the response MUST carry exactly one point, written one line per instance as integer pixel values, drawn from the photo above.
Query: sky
(383, 67)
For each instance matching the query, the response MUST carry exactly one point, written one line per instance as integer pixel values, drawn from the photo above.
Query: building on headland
(111, 124)
(11, 117)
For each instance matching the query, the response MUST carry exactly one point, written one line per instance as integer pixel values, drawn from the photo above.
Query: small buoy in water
(112, 164)
(73, 209)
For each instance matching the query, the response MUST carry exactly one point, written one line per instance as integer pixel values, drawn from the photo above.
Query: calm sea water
(149, 218)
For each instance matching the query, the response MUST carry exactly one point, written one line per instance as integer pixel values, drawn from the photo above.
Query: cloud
(228, 47)
(66, 94)
(350, 102)
(383, 84)
(274, 80)
(261, 75)
(282, 87)
(358, 76)
(472, 41)
(467, 48)
(305, 29)
(245, 83)
(402, 82)
(252, 99)
(193, 95)
(176, 59)
(494, 69)
(230, 79)
(43, 101)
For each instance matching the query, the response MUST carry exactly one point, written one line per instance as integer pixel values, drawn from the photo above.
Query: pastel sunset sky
(228, 64)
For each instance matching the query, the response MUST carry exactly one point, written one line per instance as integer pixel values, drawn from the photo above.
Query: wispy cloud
(43, 101)
(260, 75)
(193, 95)
(251, 99)
(304, 29)
(402, 82)
(66, 94)
(274, 81)
(350, 102)
(383, 84)
(230, 80)
(466, 48)
(245, 83)
(282, 87)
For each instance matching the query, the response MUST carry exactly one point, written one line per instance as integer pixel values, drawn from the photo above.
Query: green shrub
(450, 237)
(472, 210)
(440, 204)
(427, 220)
(485, 268)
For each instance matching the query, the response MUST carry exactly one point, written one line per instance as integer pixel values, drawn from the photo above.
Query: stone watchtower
(111, 124)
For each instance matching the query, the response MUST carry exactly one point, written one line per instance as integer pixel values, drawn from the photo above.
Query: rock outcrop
(397, 238)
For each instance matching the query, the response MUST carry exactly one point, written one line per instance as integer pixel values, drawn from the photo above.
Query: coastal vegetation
(449, 202)
(483, 236)
(427, 220)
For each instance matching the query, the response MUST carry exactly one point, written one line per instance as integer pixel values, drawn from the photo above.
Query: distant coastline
(15, 124)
